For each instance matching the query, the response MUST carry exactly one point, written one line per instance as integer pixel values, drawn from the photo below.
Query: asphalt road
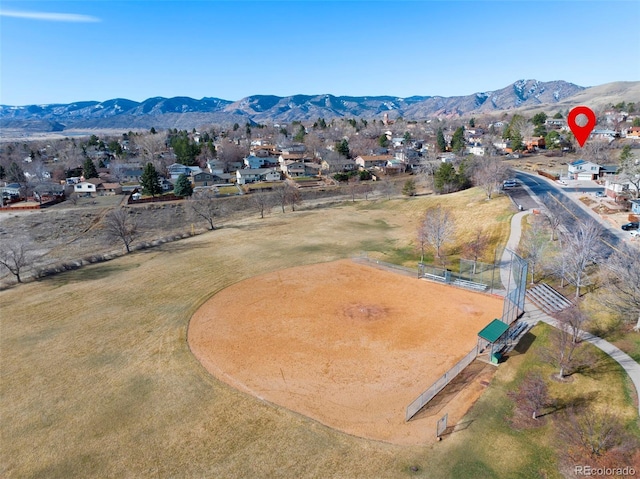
(557, 200)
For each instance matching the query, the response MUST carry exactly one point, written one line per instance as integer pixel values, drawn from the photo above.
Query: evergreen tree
(440, 141)
(539, 118)
(15, 174)
(445, 179)
(186, 151)
(299, 138)
(625, 154)
(343, 148)
(552, 140)
(150, 181)
(383, 141)
(516, 141)
(89, 169)
(472, 123)
(3, 173)
(152, 131)
(409, 188)
(558, 116)
(183, 186)
(457, 140)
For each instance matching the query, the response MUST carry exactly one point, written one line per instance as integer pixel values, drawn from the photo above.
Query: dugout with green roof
(492, 331)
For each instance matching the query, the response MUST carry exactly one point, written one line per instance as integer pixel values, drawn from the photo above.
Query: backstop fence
(471, 275)
(440, 384)
(513, 275)
(510, 275)
(516, 284)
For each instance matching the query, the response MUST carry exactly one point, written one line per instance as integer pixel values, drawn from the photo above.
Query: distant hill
(187, 113)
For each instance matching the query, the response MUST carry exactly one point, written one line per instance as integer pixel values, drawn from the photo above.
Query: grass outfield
(98, 379)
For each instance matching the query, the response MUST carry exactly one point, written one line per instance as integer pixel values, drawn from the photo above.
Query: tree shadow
(576, 402)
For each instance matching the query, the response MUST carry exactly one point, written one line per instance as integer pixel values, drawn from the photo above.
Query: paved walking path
(533, 314)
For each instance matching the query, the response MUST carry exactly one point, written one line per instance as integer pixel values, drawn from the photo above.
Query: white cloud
(49, 17)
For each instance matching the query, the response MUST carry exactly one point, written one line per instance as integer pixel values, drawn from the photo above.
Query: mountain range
(187, 113)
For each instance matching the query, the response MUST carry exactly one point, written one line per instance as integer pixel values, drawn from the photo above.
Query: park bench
(470, 284)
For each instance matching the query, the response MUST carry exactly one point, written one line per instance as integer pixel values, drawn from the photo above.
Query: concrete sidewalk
(533, 314)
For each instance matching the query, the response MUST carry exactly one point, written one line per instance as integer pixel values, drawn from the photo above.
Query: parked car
(634, 225)
(600, 194)
(635, 233)
(509, 183)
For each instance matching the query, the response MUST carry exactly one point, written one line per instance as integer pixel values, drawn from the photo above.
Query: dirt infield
(346, 344)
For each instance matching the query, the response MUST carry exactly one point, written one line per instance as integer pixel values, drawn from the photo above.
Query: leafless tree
(489, 173)
(630, 172)
(439, 228)
(151, 145)
(17, 257)
(314, 144)
(533, 245)
(262, 202)
(532, 394)
(354, 187)
(572, 319)
(593, 432)
(334, 161)
(597, 151)
(230, 152)
(554, 219)
(581, 246)
(428, 169)
(204, 205)
(622, 283)
(561, 351)
(476, 247)
(387, 187)
(121, 225)
(366, 189)
(292, 194)
(287, 194)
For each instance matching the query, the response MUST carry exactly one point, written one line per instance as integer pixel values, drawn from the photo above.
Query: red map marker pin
(581, 132)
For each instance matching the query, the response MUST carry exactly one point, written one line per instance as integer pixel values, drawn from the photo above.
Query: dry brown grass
(98, 380)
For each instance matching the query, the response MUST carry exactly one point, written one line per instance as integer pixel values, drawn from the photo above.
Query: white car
(635, 233)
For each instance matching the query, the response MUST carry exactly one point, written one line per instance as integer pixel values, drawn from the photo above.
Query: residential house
(534, 144)
(108, 189)
(255, 162)
(46, 191)
(583, 170)
(616, 187)
(85, 188)
(503, 145)
(477, 150)
(294, 169)
(555, 123)
(295, 148)
(11, 192)
(633, 133)
(635, 207)
(337, 165)
(176, 169)
(608, 135)
(132, 175)
(395, 166)
(251, 175)
(377, 161)
(446, 157)
(204, 179)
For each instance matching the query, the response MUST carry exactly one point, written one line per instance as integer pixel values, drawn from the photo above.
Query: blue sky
(61, 52)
